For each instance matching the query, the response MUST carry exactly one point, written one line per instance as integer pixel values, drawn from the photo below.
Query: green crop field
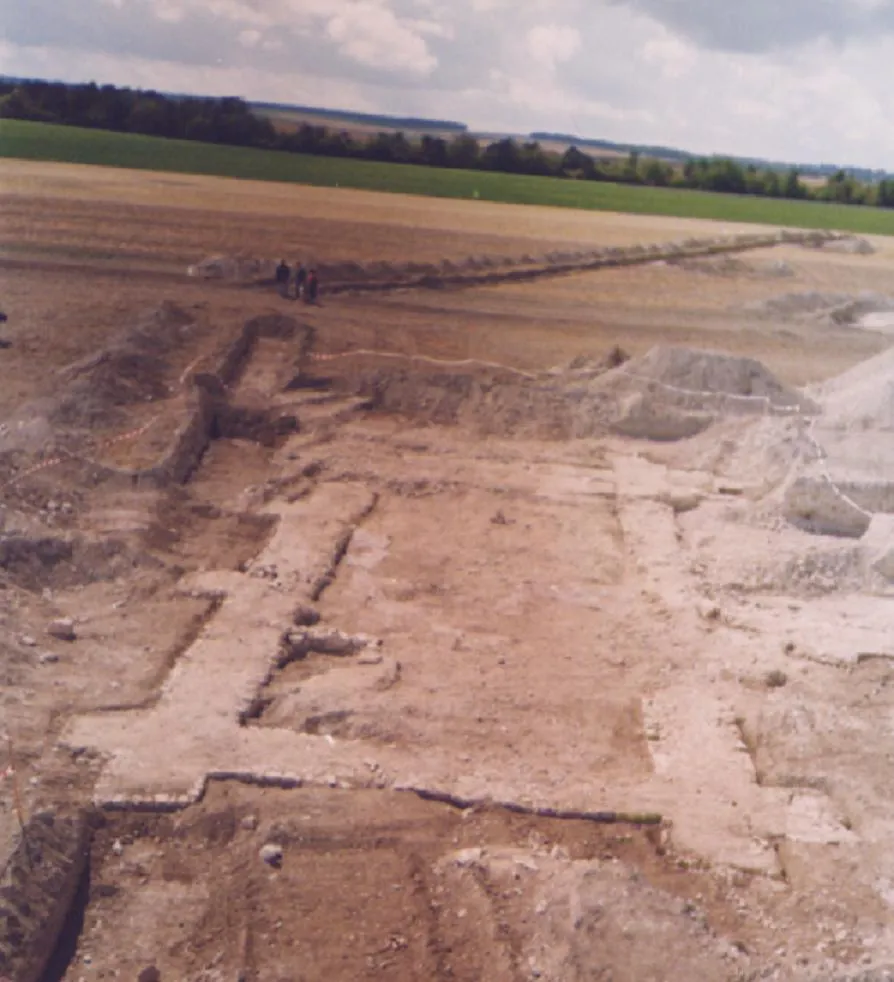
(42, 141)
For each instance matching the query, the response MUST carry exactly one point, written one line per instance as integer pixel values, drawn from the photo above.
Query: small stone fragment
(468, 857)
(250, 823)
(709, 611)
(272, 853)
(28, 641)
(298, 642)
(62, 628)
(370, 658)
(149, 974)
(48, 658)
(305, 616)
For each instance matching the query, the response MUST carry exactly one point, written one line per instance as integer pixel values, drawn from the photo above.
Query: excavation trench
(379, 841)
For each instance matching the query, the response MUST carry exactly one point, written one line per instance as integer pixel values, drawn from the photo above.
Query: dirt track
(552, 639)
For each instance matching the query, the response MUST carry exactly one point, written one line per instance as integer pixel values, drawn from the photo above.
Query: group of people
(307, 283)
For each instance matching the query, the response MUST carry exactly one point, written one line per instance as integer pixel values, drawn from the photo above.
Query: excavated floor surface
(538, 731)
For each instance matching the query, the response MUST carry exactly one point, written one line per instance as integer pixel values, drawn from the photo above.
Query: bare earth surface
(431, 671)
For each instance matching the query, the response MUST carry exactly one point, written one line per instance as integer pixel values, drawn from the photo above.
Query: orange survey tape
(456, 362)
(53, 461)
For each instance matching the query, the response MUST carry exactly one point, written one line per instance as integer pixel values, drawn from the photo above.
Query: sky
(794, 80)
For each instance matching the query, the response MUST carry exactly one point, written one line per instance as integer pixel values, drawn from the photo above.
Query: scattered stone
(272, 854)
(775, 679)
(527, 864)
(305, 616)
(300, 642)
(62, 628)
(682, 501)
(265, 572)
(149, 974)
(28, 641)
(853, 246)
(370, 658)
(48, 658)
(249, 823)
(709, 611)
(468, 857)
(118, 848)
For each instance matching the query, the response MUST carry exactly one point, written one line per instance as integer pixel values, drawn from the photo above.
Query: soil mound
(237, 269)
(730, 381)
(669, 394)
(676, 393)
(854, 479)
(132, 370)
(489, 400)
(37, 562)
(494, 400)
(730, 266)
(862, 398)
(805, 304)
(591, 366)
(851, 246)
(868, 310)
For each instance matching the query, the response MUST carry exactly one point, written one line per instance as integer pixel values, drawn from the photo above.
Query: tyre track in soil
(500, 270)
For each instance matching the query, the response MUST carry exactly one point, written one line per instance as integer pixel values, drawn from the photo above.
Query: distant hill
(362, 119)
(582, 142)
(681, 156)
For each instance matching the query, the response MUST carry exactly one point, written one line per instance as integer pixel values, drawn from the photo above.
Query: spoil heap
(854, 479)
(673, 393)
(669, 394)
(867, 310)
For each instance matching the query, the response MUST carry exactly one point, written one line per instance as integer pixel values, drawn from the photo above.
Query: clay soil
(546, 770)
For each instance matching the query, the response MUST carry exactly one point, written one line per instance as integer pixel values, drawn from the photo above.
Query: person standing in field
(300, 280)
(282, 278)
(312, 287)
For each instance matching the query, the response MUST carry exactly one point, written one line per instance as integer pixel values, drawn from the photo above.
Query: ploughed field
(435, 633)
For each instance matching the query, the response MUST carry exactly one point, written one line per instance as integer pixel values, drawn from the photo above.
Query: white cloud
(369, 33)
(170, 13)
(671, 55)
(804, 80)
(250, 37)
(431, 28)
(234, 10)
(551, 101)
(552, 44)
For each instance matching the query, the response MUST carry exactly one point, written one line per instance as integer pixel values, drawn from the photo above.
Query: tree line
(231, 121)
